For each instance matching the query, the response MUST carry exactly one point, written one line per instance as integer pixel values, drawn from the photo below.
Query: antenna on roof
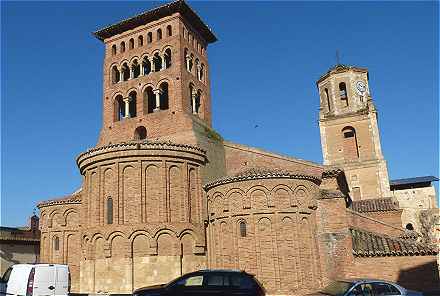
(338, 62)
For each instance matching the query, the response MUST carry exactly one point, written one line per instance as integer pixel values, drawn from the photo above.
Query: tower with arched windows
(156, 77)
(349, 131)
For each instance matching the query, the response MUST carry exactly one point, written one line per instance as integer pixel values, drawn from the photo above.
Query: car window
(384, 289)
(192, 281)
(367, 290)
(218, 280)
(357, 291)
(241, 281)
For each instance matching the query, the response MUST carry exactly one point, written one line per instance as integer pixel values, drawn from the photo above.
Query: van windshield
(6, 275)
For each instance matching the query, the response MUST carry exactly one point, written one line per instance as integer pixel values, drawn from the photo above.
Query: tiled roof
(368, 244)
(260, 173)
(74, 198)
(374, 205)
(168, 9)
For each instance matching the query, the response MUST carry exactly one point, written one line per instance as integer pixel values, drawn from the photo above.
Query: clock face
(360, 87)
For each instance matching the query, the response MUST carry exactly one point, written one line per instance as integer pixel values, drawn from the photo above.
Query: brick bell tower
(349, 131)
(156, 76)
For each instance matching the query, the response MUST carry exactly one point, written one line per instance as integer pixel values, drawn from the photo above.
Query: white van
(36, 280)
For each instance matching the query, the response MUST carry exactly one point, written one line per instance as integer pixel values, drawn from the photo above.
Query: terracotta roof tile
(374, 205)
(368, 244)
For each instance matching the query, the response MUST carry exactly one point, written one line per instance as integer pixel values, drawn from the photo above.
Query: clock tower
(349, 131)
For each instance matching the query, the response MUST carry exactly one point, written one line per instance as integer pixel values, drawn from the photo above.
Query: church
(164, 194)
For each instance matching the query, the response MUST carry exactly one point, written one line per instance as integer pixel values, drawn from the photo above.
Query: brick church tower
(349, 131)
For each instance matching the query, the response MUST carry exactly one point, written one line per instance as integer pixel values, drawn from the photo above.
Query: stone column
(141, 72)
(127, 107)
(199, 69)
(131, 72)
(157, 92)
(193, 100)
(187, 62)
(121, 76)
(164, 64)
(152, 65)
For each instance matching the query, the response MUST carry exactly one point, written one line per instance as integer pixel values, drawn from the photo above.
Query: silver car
(364, 287)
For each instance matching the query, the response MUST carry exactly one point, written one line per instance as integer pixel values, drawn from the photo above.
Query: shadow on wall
(424, 278)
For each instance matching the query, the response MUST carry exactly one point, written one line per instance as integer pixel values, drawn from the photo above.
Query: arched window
(409, 226)
(125, 72)
(109, 210)
(119, 108)
(146, 64)
(169, 31)
(197, 101)
(242, 225)
(183, 32)
(140, 133)
(149, 100)
(186, 55)
(122, 46)
(202, 50)
(140, 41)
(149, 37)
(164, 96)
(159, 34)
(198, 69)
(191, 63)
(116, 75)
(113, 49)
(157, 62)
(351, 151)
(327, 97)
(131, 43)
(136, 68)
(202, 72)
(56, 243)
(167, 57)
(132, 104)
(343, 93)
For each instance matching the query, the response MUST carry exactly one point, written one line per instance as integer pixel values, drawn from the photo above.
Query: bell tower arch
(349, 131)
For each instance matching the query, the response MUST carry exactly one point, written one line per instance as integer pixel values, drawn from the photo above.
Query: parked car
(206, 283)
(365, 287)
(36, 280)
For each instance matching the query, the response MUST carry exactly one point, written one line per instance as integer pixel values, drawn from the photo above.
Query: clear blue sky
(263, 72)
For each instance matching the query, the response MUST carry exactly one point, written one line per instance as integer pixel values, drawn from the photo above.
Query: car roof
(366, 280)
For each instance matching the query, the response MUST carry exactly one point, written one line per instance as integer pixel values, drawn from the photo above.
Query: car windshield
(337, 288)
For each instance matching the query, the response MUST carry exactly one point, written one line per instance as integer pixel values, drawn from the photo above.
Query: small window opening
(349, 134)
(150, 100)
(191, 63)
(157, 61)
(132, 104)
(149, 37)
(109, 210)
(122, 46)
(136, 68)
(113, 49)
(202, 72)
(164, 96)
(343, 93)
(56, 243)
(351, 151)
(159, 34)
(328, 99)
(125, 72)
(119, 108)
(167, 57)
(140, 133)
(116, 75)
(131, 43)
(147, 66)
(242, 229)
(169, 31)
(140, 41)
(409, 226)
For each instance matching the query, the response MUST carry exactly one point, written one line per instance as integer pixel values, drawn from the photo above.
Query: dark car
(207, 282)
(364, 287)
